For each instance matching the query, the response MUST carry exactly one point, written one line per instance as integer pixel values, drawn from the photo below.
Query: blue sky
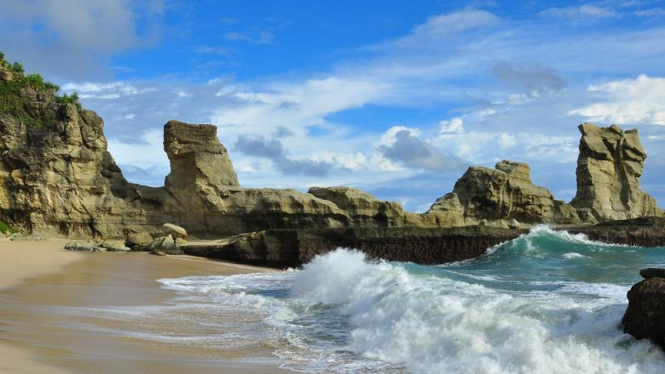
(395, 97)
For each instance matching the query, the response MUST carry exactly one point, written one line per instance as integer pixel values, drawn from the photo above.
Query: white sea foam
(344, 314)
(436, 325)
(572, 255)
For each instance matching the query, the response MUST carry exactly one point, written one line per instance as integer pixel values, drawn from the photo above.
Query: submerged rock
(645, 316)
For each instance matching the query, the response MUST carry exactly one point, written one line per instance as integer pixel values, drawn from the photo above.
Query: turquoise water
(547, 302)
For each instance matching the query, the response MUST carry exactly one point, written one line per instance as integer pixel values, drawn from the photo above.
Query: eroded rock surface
(502, 194)
(56, 175)
(609, 169)
(645, 316)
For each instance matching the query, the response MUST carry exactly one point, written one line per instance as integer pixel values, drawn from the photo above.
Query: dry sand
(37, 277)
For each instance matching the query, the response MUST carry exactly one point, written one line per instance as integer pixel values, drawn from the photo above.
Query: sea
(546, 302)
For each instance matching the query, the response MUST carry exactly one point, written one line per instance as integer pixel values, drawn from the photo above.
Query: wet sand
(52, 305)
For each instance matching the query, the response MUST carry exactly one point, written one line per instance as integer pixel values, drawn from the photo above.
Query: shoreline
(39, 278)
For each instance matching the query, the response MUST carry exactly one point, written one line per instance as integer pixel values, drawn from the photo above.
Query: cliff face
(56, 175)
(609, 169)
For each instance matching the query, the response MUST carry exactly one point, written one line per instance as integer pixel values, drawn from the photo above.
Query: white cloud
(455, 125)
(447, 24)
(69, 38)
(630, 101)
(301, 104)
(90, 88)
(586, 11)
(148, 152)
(251, 36)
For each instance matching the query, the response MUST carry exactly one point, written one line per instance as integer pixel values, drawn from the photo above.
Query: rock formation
(57, 177)
(501, 194)
(609, 168)
(645, 316)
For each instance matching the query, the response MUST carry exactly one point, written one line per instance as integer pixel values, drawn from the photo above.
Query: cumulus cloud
(455, 125)
(75, 34)
(531, 76)
(401, 144)
(273, 150)
(629, 101)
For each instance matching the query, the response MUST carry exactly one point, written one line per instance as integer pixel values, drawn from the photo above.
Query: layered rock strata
(501, 194)
(609, 169)
(56, 175)
(292, 248)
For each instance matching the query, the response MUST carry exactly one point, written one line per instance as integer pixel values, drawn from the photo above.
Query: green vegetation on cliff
(16, 87)
(6, 229)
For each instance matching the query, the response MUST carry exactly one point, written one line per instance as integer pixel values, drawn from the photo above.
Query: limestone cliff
(498, 195)
(56, 175)
(609, 169)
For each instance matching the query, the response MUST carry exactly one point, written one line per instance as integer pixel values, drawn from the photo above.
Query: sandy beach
(45, 292)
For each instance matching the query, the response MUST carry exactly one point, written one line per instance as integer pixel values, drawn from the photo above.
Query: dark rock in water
(643, 232)
(645, 317)
(292, 248)
(652, 273)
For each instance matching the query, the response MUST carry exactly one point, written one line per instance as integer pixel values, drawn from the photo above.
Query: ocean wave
(436, 325)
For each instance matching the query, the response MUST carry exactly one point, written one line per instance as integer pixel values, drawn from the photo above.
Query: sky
(397, 98)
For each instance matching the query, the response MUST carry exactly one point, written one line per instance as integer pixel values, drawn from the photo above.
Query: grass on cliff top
(12, 102)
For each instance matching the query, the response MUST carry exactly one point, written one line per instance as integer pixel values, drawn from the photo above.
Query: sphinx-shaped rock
(502, 194)
(609, 168)
(200, 166)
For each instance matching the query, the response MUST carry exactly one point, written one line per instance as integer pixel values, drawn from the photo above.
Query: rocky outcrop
(292, 248)
(364, 209)
(609, 168)
(56, 175)
(642, 232)
(645, 316)
(502, 194)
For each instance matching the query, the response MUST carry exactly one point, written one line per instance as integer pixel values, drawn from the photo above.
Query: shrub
(6, 229)
(37, 82)
(69, 99)
(2, 56)
(18, 68)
